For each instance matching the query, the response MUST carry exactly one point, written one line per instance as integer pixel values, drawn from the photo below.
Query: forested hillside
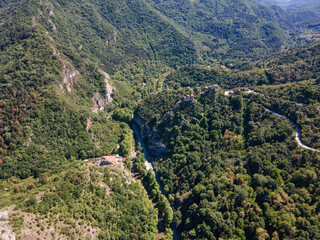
(51, 62)
(299, 102)
(74, 73)
(119, 32)
(80, 201)
(303, 14)
(229, 28)
(232, 169)
(294, 65)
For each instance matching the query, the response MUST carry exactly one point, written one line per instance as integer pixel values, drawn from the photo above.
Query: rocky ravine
(149, 165)
(150, 136)
(155, 145)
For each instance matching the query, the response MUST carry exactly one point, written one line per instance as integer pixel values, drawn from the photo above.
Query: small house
(229, 93)
(189, 98)
(108, 160)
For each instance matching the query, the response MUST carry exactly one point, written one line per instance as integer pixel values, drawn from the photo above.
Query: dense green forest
(304, 13)
(227, 28)
(297, 101)
(240, 29)
(294, 65)
(234, 170)
(74, 73)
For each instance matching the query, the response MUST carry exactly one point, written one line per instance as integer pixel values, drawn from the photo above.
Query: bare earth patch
(6, 232)
(28, 226)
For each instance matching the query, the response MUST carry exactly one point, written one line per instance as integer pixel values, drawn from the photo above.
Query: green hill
(79, 201)
(72, 73)
(231, 169)
(228, 28)
(52, 57)
(293, 65)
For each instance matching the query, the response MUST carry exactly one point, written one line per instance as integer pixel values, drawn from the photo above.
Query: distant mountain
(303, 14)
(275, 2)
(289, 3)
(229, 28)
(306, 3)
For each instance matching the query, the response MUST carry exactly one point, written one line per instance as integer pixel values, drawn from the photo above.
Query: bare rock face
(107, 192)
(112, 39)
(69, 75)
(109, 88)
(99, 102)
(89, 124)
(54, 28)
(151, 138)
(155, 144)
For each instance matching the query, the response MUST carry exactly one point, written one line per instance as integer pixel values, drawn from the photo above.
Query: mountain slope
(228, 28)
(80, 201)
(294, 65)
(54, 58)
(53, 89)
(303, 15)
(113, 33)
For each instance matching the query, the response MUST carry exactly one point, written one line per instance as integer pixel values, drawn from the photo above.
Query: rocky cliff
(150, 138)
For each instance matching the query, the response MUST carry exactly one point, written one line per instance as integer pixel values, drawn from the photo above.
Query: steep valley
(78, 78)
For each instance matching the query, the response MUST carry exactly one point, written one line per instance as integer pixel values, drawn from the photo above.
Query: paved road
(298, 132)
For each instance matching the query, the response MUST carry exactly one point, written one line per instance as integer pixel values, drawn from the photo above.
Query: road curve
(298, 131)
